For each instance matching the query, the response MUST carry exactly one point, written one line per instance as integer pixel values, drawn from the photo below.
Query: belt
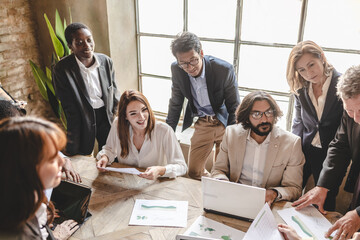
(210, 119)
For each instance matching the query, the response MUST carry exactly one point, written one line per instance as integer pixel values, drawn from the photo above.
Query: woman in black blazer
(318, 110)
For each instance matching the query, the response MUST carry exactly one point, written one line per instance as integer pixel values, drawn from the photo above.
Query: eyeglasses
(193, 62)
(258, 115)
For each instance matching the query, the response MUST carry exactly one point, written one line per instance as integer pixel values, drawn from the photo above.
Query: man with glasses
(210, 86)
(256, 152)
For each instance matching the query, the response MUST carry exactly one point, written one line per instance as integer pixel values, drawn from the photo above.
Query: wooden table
(114, 195)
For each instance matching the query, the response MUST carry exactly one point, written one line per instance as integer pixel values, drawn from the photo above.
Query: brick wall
(18, 44)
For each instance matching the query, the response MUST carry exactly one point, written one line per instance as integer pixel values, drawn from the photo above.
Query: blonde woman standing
(318, 110)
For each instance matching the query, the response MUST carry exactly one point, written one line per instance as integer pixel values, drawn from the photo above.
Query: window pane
(212, 18)
(156, 56)
(283, 103)
(224, 51)
(263, 68)
(158, 92)
(333, 23)
(342, 61)
(275, 21)
(161, 16)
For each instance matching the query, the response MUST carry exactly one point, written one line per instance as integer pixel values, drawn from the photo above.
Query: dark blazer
(71, 90)
(306, 122)
(30, 231)
(342, 149)
(222, 89)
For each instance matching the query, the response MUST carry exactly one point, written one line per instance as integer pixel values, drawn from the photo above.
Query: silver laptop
(232, 199)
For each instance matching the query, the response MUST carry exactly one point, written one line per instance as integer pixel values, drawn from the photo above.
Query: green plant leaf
(58, 47)
(49, 81)
(62, 116)
(60, 32)
(40, 79)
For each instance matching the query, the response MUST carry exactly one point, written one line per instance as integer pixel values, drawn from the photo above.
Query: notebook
(232, 199)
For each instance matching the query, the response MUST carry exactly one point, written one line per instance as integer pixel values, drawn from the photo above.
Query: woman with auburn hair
(30, 164)
(136, 139)
(318, 110)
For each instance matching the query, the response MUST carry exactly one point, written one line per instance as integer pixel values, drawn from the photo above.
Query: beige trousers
(206, 134)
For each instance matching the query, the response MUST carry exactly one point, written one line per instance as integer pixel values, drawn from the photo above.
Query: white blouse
(162, 150)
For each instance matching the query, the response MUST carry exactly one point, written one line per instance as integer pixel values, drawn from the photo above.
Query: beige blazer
(284, 163)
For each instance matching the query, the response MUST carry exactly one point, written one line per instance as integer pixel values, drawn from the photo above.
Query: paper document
(264, 226)
(122, 170)
(308, 222)
(205, 227)
(159, 213)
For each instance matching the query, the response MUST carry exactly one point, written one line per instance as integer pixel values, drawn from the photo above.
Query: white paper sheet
(308, 222)
(159, 213)
(205, 227)
(264, 226)
(122, 170)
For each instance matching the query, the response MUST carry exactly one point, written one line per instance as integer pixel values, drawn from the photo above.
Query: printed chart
(205, 227)
(308, 222)
(159, 213)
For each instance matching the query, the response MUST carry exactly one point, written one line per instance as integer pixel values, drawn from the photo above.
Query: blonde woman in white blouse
(136, 139)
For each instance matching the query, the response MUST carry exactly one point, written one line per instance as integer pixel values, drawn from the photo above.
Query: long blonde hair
(294, 79)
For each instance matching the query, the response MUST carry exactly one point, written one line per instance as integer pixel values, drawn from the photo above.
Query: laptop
(232, 199)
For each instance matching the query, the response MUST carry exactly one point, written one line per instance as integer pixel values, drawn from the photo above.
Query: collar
(92, 67)
(266, 141)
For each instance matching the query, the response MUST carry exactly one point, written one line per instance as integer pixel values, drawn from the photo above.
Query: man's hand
(65, 230)
(317, 196)
(270, 196)
(70, 171)
(346, 226)
(152, 173)
(102, 163)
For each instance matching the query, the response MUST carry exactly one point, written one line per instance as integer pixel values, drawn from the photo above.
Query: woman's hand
(65, 230)
(152, 173)
(102, 163)
(288, 232)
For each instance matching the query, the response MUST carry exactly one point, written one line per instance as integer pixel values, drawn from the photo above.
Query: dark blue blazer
(306, 122)
(222, 89)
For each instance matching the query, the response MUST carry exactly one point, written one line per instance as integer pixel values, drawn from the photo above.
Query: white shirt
(319, 106)
(92, 82)
(254, 161)
(41, 216)
(162, 150)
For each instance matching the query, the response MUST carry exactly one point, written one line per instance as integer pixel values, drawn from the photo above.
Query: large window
(256, 36)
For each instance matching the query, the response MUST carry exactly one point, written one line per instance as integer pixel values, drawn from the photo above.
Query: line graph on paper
(308, 222)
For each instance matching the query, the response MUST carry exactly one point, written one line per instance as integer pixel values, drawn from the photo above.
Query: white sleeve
(176, 165)
(110, 149)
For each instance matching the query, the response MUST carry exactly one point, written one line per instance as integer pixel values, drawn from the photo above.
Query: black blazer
(306, 122)
(344, 147)
(71, 90)
(222, 89)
